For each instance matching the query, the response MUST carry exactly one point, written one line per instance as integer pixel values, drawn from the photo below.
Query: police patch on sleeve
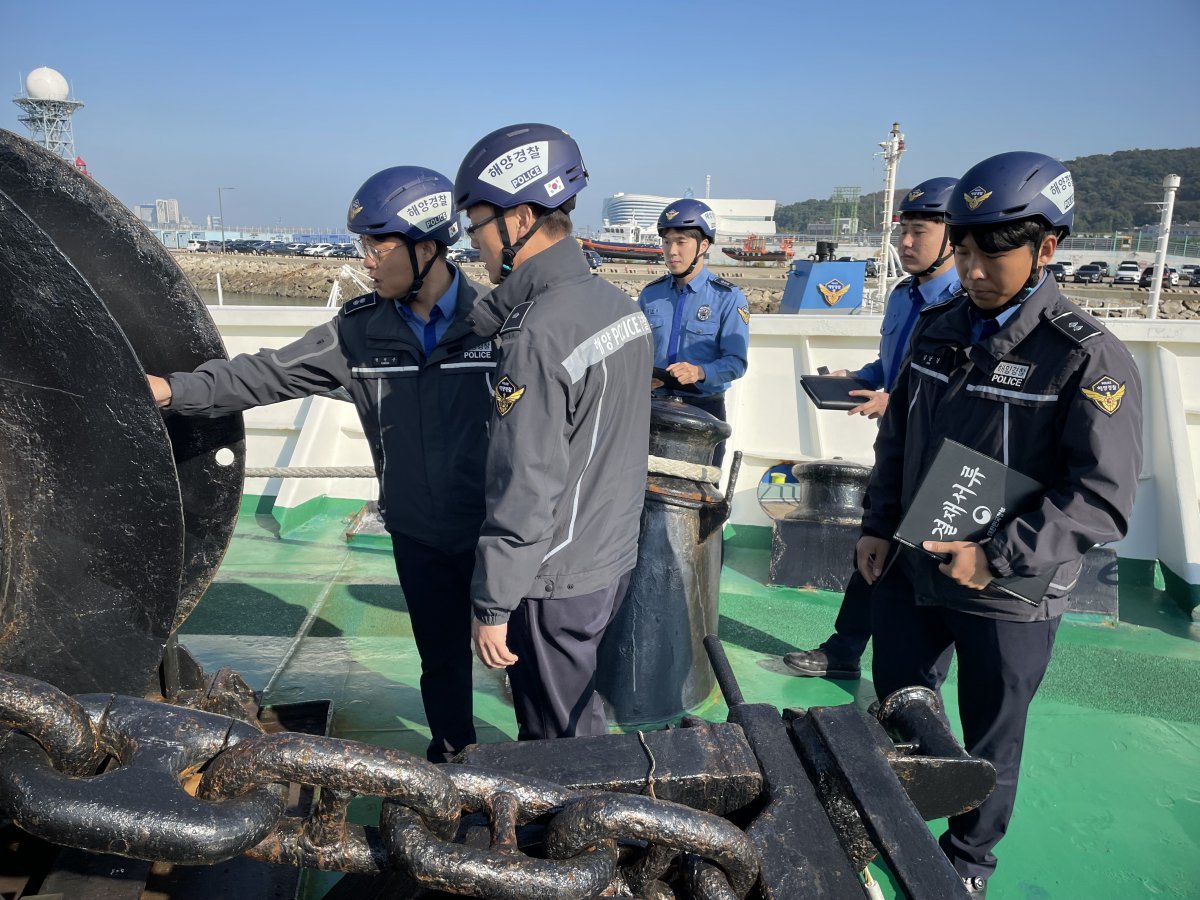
(507, 395)
(744, 312)
(1106, 393)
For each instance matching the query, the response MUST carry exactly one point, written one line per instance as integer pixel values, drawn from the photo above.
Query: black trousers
(437, 589)
(852, 629)
(554, 678)
(714, 406)
(1000, 667)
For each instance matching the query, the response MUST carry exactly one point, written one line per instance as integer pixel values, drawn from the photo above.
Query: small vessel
(627, 240)
(754, 249)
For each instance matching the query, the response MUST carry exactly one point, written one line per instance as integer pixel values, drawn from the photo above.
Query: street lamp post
(221, 213)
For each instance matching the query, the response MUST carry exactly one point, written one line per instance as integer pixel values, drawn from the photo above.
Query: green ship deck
(1109, 805)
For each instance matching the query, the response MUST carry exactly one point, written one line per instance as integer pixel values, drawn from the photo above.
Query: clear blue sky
(295, 104)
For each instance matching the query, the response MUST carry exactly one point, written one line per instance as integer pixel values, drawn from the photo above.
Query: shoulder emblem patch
(725, 283)
(1106, 393)
(516, 318)
(507, 395)
(744, 312)
(366, 301)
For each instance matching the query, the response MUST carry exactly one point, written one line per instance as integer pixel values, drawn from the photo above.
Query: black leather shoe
(819, 664)
(976, 886)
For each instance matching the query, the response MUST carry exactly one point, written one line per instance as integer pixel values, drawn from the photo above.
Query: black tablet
(833, 391)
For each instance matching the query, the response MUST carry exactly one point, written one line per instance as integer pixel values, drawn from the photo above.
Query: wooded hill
(1111, 193)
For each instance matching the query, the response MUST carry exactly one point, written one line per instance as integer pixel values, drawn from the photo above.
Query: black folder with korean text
(968, 496)
(833, 391)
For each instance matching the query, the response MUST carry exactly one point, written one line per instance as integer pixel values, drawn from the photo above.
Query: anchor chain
(116, 774)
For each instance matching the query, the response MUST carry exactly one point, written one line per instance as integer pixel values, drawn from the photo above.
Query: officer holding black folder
(1014, 370)
(925, 254)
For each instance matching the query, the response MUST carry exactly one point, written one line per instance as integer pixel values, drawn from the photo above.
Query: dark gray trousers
(1000, 667)
(437, 590)
(554, 679)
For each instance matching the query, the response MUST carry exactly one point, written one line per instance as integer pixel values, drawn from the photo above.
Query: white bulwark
(735, 218)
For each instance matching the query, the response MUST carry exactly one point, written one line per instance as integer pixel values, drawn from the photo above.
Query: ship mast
(892, 148)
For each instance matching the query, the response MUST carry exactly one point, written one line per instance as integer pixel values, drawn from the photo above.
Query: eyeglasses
(372, 251)
(471, 229)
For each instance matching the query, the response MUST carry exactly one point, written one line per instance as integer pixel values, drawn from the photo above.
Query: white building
(167, 212)
(735, 218)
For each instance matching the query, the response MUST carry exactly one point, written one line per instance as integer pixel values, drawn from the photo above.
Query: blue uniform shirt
(977, 326)
(440, 316)
(706, 323)
(900, 316)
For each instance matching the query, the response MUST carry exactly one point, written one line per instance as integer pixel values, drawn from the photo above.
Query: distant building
(212, 222)
(167, 212)
(145, 212)
(735, 218)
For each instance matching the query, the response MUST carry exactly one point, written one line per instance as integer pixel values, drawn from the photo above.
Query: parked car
(1089, 274)
(872, 267)
(1068, 268)
(1195, 280)
(1055, 271)
(468, 254)
(1170, 279)
(297, 247)
(317, 249)
(1127, 273)
(1186, 270)
(1104, 268)
(593, 258)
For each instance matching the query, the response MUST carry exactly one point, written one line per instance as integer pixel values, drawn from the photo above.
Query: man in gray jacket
(421, 381)
(566, 469)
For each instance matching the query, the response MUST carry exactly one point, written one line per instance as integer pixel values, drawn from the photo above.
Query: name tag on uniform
(1010, 374)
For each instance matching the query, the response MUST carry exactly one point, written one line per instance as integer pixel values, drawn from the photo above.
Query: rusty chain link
(137, 805)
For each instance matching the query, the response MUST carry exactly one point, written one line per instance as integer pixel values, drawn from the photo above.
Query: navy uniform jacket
(713, 327)
(1053, 395)
(570, 433)
(425, 419)
(899, 319)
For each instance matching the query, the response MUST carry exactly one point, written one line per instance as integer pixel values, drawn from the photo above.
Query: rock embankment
(311, 279)
(295, 277)
(305, 278)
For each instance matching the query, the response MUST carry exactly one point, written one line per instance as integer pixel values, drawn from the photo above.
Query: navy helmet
(930, 196)
(411, 201)
(529, 163)
(1014, 186)
(689, 213)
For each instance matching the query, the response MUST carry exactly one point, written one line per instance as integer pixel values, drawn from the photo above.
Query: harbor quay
(306, 280)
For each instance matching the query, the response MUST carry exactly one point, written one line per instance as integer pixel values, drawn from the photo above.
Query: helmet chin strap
(1031, 283)
(418, 276)
(695, 259)
(508, 256)
(944, 253)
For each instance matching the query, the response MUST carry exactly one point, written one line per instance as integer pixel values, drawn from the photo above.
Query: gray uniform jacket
(1053, 395)
(425, 419)
(570, 432)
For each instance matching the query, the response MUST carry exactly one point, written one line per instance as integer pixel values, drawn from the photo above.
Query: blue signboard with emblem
(829, 287)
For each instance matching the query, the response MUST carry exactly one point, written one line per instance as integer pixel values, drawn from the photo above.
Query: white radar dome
(46, 84)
